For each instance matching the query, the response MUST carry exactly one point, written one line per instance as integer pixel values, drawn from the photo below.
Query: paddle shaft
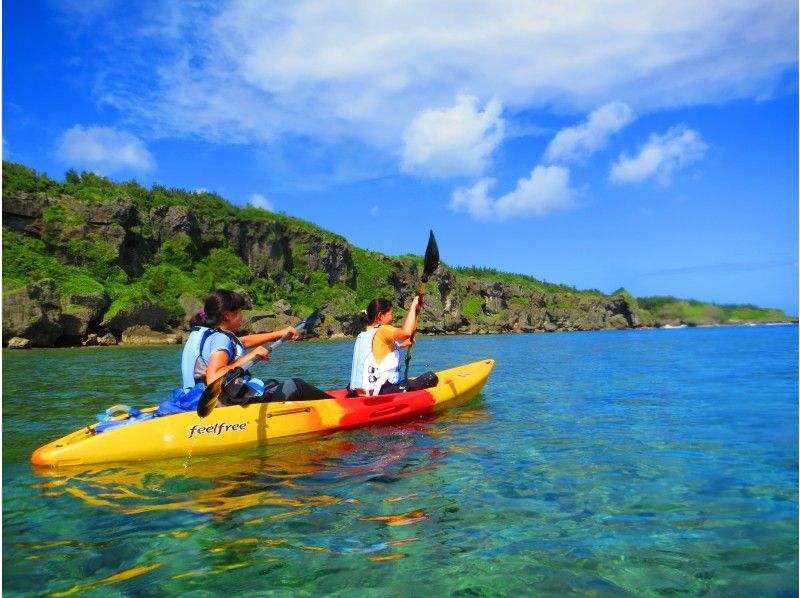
(430, 263)
(274, 346)
(422, 281)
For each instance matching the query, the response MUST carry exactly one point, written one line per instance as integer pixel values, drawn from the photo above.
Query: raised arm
(410, 323)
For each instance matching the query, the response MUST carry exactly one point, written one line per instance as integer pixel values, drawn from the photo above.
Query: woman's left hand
(290, 330)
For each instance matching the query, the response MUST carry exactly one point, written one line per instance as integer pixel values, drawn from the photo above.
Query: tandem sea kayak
(237, 428)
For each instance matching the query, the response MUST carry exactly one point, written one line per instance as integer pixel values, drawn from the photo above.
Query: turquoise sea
(634, 463)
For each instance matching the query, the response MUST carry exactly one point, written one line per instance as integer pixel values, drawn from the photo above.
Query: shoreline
(173, 341)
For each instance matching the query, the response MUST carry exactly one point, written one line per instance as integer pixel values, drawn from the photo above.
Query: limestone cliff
(94, 262)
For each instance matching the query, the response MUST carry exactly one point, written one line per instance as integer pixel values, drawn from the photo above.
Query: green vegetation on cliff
(78, 260)
(523, 280)
(25, 260)
(89, 235)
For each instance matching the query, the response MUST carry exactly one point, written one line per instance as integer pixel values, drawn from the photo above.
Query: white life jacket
(193, 366)
(366, 373)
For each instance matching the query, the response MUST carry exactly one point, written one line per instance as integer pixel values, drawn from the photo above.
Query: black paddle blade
(431, 256)
(311, 320)
(208, 400)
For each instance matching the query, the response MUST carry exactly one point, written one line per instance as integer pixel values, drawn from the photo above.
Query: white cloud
(660, 156)
(547, 189)
(259, 201)
(574, 144)
(474, 200)
(103, 149)
(254, 71)
(453, 141)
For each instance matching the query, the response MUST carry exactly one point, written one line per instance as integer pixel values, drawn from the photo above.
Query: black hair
(217, 302)
(375, 308)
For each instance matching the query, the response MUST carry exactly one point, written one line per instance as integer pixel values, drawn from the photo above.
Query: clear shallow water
(608, 463)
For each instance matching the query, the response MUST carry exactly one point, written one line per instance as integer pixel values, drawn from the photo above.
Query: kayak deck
(242, 427)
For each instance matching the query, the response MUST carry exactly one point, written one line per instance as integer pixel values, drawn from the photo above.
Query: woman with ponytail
(376, 355)
(213, 349)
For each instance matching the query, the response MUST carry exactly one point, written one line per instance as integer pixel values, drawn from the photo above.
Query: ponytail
(198, 319)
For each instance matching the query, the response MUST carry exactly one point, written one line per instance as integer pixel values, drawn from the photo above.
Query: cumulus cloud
(660, 156)
(253, 71)
(574, 144)
(474, 200)
(453, 141)
(103, 149)
(259, 201)
(547, 189)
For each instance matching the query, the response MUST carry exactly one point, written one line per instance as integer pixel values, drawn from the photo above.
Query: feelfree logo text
(216, 429)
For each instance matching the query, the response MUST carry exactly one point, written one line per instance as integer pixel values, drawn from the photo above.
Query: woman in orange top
(376, 355)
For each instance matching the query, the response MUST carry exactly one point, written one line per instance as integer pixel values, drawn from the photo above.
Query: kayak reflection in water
(213, 349)
(376, 355)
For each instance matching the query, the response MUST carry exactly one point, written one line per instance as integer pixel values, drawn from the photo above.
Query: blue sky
(651, 146)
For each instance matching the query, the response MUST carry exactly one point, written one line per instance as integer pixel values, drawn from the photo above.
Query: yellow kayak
(235, 428)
